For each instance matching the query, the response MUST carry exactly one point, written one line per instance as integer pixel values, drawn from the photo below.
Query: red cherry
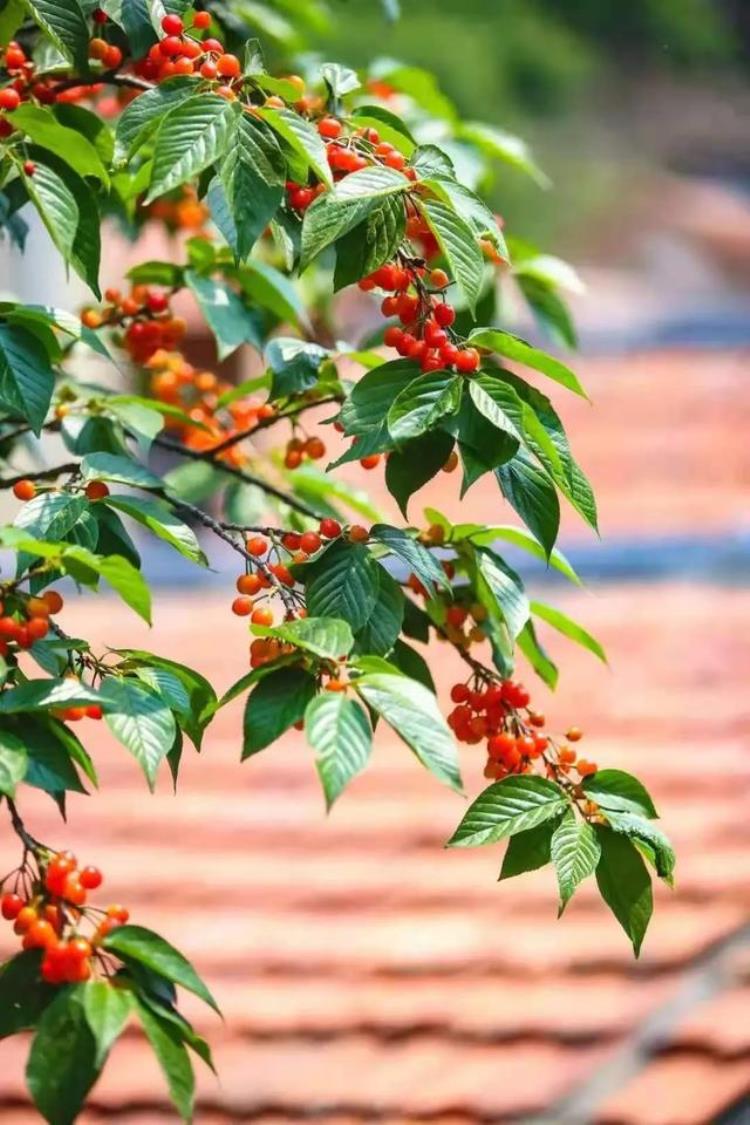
(10, 99)
(202, 20)
(91, 878)
(467, 360)
(444, 315)
(11, 906)
(330, 528)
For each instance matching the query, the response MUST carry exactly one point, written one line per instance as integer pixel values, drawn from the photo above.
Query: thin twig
(29, 842)
(41, 474)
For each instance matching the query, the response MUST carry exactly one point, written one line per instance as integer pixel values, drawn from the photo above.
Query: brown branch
(29, 842)
(41, 474)
(265, 423)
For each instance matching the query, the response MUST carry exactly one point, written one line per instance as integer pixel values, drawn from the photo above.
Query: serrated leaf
(300, 135)
(371, 243)
(528, 643)
(513, 347)
(618, 791)
(121, 470)
(528, 851)
(422, 403)
(569, 628)
(494, 400)
(383, 626)
(519, 537)
(513, 805)
(416, 556)
(295, 364)
(141, 721)
(504, 588)
(324, 636)
(412, 711)
(371, 398)
(276, 704)
(459, 245)
(575, 853)
(532, 494)
(335, 213)
(417, 462)
(161, 520)
(23, 996)
(338, 730)
(142, 117)
(70, 145)
(144, 947)
(252, 174)
(34, 695)
(202, 695)
(121, 575)
(190, 138)
(507, 147)
(26, 378)
(56, 205)
(65, 24)
(344, 584)
(624, 884)
(649, 840)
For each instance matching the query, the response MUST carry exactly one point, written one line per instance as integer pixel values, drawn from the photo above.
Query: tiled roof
(368, 975)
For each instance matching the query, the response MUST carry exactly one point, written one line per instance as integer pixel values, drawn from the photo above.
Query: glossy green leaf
(328, 637)
(65, 24)
(503, 587)
(422, 403)
(26, 378)
(276, 704)
(513, 805)
(412, 711)
(107, 1010)
(302, 138)
(618, 791)
(338, 730)
(230, 321)
(23, 996)
(161, 520)
(344, 584)
(575, 853)
(172, 1057)
(417, 557)
(650, 841)
(252, 173)
(383, 626)
(528, 851)
(144, 947)
(57, 206)
(512, 347)
(569, 628)
(141, 721)
(70, 145)
(416, 463)
(142, 117)
(459, 245)
(624, 884)
(335, 213)
(121, 470)
(61, 1067)
(13, 762)
(532, 494)
(190, 138)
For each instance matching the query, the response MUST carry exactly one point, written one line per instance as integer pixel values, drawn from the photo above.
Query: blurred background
(366, 974)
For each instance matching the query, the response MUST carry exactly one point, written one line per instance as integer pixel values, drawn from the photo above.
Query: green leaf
(413, 713)
(141, 721)
(134, 18)
(371, 243)
(417, 557)
(13, 762)
(471, 208)
(57, 207)
(12, 16)
(70, 145)
(144, 947)
(49, 747)
(618, 791)
(61, 1067)
(252, 174)
(411, 663)
(650, 841)
(295, 365)
(528, 851)
(575, 853)
(191, 137)
(338, 730)
(335, 213)
(528, 643)
(143, 116)
(512, 347)
(521, 538)
(121, 470)
(381, 631)
(494, 400)
(230, 321)
(106, 1009)
(26, 378)
(340, 80)
(324, 636)
(422, 403)
(23, 996)
(569, 628)
(390, 127)
(302, 138)
(271, 289)
(65, 24)
(202, 695)
(417, 462)
(513, 805)
(624, 884)
(168, 686)
(172, 1057)
(276, 704)
(162, 521)
(54, 693)
(459, 245)
(531, 493)
(502, 590)
(371, 398)
(344, 584)
(121, 575)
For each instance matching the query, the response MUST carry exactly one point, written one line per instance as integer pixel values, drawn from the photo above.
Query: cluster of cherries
(49, 913)
(181, 53)
(147, 319)
(491, 711)
(24, 84)
(26, 620)
(182, 210)
(255, 588)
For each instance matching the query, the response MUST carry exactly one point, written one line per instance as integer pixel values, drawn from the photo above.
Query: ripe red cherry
(91, 878)
(11, 905)
(10, 99)
(329, 128)
(459, 693)
(24, 490)
(310, 543)
(330, 528)
(242, 606)
(467, 360)
(393, 336)
(202, 20)
(262, 616)
(444, 314)
(171, 47)
(172, 25)
(228, 66)
(96, 490)
(256, 546)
